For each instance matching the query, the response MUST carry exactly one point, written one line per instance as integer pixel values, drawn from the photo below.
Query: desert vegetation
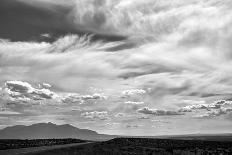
(16, 143)
(146, 146)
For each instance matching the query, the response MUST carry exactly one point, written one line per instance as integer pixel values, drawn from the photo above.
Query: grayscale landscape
(115, 77)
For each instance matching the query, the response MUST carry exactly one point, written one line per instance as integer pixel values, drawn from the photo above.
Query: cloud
(160, 121)
(19, 86)
(82, 99)
(134, 103)
(132, 126)
(133, 92)
(9, 113)
(143, 117)
(215, 113)
(111, 124)
(193, 107)
(46, 85)
(212, 110)
(165, 53)
(118, 115)
(46, 35)
(4, 111)
(71, 98)
(93, 97)
(19, 89)
(156, 112)
(215, 105)
(100, 115)
(71, 43)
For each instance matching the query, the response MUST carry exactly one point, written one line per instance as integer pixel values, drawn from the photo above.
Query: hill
(49, 131)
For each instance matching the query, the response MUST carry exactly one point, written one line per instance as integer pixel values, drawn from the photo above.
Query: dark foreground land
(42, 149)
(141, 146)
(17, 143)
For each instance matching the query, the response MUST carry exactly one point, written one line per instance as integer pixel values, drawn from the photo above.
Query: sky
(124, 67)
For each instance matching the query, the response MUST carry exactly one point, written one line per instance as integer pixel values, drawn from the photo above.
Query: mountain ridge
(50, 131)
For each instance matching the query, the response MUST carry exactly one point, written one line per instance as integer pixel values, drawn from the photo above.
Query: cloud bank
(156, 112)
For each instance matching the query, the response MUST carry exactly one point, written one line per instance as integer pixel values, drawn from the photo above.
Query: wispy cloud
(7, 112)
(135, 103)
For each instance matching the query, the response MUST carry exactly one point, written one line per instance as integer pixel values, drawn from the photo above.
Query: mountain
(49, 131)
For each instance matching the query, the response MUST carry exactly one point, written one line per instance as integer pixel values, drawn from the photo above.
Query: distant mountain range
(49, 131)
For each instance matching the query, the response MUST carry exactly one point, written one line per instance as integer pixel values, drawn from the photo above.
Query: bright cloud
(133, 92)
(135, 103)
(24, 89)
(214, 105)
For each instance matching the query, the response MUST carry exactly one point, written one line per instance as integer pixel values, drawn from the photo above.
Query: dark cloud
(25, 21)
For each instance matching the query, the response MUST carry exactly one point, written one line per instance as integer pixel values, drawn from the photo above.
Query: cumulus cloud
(133, 92)
(23, 89)
(215, 113)
(214, 105)
(71, 98)
(100, 115)
(211, 110)
(19, 86)
(93, 97)
(82, 99)
(156, 112)
(193, 107)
